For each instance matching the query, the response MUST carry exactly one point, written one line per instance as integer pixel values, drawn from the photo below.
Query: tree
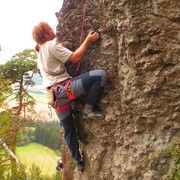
(15, 70)
(4, 89)
(44, 130)
(11, 118)
(5, 118)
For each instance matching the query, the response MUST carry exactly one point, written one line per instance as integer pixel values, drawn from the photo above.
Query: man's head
(42, 33)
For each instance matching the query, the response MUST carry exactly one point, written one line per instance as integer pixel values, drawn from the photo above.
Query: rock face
(139, 48)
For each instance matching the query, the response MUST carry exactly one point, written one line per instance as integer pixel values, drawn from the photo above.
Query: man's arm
(79, 53)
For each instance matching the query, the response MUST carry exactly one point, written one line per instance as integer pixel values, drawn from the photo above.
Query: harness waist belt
(59, 83)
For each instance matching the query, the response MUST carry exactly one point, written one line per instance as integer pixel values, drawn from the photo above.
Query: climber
(59, 166)
(63, 88)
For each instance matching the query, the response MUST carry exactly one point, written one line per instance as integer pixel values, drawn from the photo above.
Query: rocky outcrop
(139, 48)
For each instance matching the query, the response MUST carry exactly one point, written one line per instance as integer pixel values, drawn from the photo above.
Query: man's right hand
(92, 36)
(79, 53)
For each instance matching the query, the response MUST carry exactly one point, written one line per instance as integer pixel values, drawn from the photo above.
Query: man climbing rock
(63, 88)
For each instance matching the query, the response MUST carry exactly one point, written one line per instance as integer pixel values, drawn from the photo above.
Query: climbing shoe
(80, 165)
(93, 115)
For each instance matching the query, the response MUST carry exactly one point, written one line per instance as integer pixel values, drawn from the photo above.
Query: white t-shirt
(51, 59)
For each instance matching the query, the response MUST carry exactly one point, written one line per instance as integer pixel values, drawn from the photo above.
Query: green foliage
(4, 89)
(19, 65)
(25, 135)
(45, 133)
(1, 171)
(15, 70)
(28, 99)
(5, 122)
(4, 159)
(172, 153)
(57, 176)
(17, 172)
(58, 152)
(48, 134)
(35, 173)
(31, 83)
(23, 138)
(10, 119)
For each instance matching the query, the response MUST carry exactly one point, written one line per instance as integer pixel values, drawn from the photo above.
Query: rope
(83, 22)
(81, 36)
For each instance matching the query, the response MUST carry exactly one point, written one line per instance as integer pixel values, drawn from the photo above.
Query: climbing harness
(53, 95)
(81, 36)
(69, 90)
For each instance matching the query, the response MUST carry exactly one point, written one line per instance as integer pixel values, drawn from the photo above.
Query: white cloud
(18, 17)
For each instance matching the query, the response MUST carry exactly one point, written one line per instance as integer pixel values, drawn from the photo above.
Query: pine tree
(14, 118)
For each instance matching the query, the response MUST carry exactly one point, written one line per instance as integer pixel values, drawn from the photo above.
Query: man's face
(49, 34)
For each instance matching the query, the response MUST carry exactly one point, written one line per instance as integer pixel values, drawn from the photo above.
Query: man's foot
(80, 165)
(93, 115)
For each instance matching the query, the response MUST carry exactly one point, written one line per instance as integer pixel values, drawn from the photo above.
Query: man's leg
(70, 136)
(93, 82)
(70, 133)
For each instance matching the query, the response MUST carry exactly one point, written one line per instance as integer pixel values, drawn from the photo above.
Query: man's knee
(100, 73)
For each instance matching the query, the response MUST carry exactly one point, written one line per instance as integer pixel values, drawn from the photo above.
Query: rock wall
(139, 48)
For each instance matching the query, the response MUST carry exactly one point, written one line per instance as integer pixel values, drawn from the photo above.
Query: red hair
(38, 34)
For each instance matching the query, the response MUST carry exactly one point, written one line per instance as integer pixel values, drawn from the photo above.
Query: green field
(41, 156)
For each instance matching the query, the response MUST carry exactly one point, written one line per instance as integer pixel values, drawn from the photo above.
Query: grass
(41, 156)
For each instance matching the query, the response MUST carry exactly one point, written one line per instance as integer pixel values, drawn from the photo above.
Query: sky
(17, 19)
